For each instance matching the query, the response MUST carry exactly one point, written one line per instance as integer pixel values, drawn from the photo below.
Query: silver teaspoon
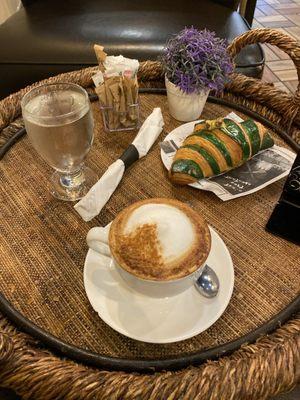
(208, 283)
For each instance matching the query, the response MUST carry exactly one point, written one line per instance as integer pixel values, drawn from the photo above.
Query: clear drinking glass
(59, 123)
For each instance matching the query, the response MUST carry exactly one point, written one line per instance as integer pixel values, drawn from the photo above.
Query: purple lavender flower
(197, 60)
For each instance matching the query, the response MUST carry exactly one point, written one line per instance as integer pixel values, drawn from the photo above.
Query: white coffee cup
(97, 240)
(166, 215)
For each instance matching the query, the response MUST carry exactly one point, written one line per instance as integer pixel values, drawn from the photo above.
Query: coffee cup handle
(97, 240)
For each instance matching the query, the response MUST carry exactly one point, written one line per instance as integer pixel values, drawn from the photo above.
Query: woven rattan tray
(43, 250)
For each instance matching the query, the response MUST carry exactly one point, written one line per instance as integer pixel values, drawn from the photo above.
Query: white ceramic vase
(182, 106)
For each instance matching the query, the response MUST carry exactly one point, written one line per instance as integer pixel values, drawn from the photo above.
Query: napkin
(120, 64)
(115, 65)
(93, 202)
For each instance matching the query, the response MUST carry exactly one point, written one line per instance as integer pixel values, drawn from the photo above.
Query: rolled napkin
(93, 202)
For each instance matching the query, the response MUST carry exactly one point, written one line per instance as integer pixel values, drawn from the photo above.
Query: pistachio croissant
(217, 146)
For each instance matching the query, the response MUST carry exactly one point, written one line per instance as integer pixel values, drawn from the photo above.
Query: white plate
(163, 320)
(177, 136)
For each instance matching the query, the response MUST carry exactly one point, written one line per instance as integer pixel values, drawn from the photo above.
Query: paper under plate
(263, 169)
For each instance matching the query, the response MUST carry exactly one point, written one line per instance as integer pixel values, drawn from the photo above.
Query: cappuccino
(159, 240)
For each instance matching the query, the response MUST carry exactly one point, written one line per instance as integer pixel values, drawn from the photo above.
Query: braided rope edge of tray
(256, 371)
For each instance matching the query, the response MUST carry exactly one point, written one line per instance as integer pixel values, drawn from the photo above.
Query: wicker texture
(254, 372)
(285, 104)
(43, 255)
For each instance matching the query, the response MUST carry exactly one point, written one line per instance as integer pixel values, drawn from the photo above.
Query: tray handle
(6, 347)
(285, 43)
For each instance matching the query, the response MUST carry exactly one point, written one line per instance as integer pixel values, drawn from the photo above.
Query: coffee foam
(159, 239)
(175, 232)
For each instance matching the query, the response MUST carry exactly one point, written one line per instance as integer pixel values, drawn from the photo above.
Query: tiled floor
(285, 16)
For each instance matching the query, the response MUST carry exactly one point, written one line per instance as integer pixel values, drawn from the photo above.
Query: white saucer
(157, 320)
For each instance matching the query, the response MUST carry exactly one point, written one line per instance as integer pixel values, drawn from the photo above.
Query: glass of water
(59, 122)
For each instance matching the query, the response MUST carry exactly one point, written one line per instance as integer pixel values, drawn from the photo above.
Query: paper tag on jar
(98, 78)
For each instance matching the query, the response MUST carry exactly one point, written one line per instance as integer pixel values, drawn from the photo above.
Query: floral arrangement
(197, 60)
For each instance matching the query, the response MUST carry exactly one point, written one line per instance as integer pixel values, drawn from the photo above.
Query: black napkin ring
(129, 156)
